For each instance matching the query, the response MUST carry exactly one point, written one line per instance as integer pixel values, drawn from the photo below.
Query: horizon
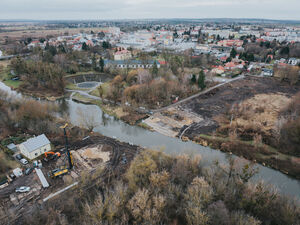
(197, 20)
(152, 9)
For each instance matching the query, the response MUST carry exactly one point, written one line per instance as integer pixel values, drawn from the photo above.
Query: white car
(22, 189)
(24, 161)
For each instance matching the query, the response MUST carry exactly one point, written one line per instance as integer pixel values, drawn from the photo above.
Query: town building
(231, 43)
(34, 147)
(122, 55)
(131, 64)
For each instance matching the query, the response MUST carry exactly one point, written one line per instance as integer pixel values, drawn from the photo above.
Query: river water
(111, 127)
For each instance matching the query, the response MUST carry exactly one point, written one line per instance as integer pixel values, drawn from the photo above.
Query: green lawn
(105, 87)
(72, 86)
(80, 73)
(5, 77)
(12, 83)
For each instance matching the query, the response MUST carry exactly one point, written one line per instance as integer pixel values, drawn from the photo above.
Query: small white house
(35, 146)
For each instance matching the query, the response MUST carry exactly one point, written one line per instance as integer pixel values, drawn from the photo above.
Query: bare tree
(87, 119)
(144, 76)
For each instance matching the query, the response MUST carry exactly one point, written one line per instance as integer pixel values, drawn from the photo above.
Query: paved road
(196, 95)
(85, 93)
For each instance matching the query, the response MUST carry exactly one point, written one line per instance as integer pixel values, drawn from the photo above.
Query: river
(111, 127)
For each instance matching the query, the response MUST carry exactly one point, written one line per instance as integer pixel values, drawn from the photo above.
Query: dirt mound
(95, 153)
(262, 110)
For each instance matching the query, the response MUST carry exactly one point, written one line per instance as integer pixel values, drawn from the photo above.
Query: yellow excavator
(63, 169)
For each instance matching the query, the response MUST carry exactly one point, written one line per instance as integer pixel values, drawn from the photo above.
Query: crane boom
(70, 160)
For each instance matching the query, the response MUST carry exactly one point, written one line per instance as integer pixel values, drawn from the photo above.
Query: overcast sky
(137, 9)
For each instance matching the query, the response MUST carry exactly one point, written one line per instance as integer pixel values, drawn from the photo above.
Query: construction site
(243, 117)
(94, 156)
(198, 115)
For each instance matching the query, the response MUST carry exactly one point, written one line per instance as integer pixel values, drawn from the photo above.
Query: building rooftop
(130, 62)
(36, 142)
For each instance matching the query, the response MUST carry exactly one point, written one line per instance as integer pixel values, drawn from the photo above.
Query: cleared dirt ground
(170, 121)
(220, 100)
(96, 152)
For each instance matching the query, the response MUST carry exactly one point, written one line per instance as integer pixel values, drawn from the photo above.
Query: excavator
(63, 169)
(51, 155)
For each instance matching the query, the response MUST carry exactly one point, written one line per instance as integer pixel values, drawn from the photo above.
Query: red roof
(162, 62)
(282, 64)
(224, 58)
(89, 42)
(260, 40)
(122, 52)
(230, 65)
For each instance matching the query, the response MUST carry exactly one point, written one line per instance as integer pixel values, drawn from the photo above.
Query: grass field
(41, 31)
(72, 86)
(12, 83)
(5, 77)
(105, 87)
(81, 73)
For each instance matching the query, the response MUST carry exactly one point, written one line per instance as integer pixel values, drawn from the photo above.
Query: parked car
(28, 171)
(22, 189)
(19, 157)
(12, 176)
(24, 161)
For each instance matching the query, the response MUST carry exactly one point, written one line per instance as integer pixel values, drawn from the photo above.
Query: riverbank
(125, 114)
(263, 154)
(240, 117)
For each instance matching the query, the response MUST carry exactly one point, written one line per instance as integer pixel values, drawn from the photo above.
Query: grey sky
(135, 9)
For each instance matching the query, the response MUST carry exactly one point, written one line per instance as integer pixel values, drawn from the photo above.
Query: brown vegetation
(288, 73)
(140, 88)
(289, 140)
(159, 189)
(39, 76)
(25, 116)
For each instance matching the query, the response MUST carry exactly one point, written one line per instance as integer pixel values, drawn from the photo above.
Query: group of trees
(278, 50)
(97, 66)
(25, 116)
(200, 81)
(160, 189)
(39, 75)
(289, 127)
(150, 88)
(287, 73)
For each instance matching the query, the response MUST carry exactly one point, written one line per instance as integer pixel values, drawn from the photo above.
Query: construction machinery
(63, 169)
(51, 156)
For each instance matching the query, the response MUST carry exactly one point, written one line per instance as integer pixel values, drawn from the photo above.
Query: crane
(65, 169)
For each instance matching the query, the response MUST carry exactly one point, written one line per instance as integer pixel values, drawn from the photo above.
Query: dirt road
(197, 95)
